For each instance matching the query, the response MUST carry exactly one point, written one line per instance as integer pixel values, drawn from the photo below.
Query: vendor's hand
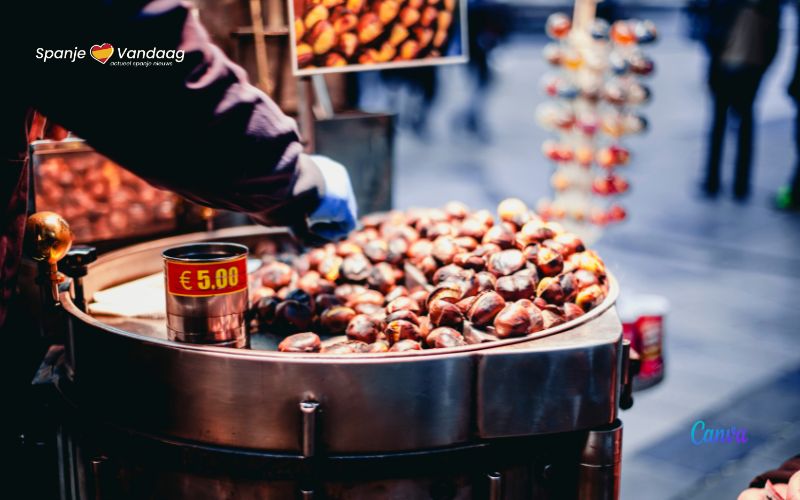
(337, 212)
(789, 491)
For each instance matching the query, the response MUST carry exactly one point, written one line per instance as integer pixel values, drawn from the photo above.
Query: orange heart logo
(102, 53)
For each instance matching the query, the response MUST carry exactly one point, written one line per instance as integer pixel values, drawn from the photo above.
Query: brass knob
(48, 238)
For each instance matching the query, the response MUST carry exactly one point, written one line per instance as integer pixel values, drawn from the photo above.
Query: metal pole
(305, 113)
(495, 485)
(601, 463)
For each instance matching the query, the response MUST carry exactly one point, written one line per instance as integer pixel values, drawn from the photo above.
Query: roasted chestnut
(259, 293)
(348, 43)
(588, 261)
(447, 272)
(550, 290)
(456, 210)
(336, 319)
(537, 320)
(369, 28)
(572, 311)
(428, 266)
(404, 314)
(300, 342)
(420, 249)
(313, 284)
(444, 249)
(376, 250)
(515, 287)
(446, 293)
(292, 316)
(406, 345)
(420, 295)
(506, 262)
(511, 210)
(486, 250)
(513, 320)
(265, 310)
(401, 329)
(315, 14)
(363, 328)
(340, 348)
(569, 285)
(552, 318)
(366, 296)
(465, 304)
(584, 279)
(378, 346)
(276, 275)
(444, 337)
(469, 260)
(382, 277)
(444, 313)
(356, 267)
(589, 297)
(400, 303)
(548, 261)
(485, 308)
(499, 235)
(398, 291)
(330, 267)
(344, 22)
(322, 37)
(326, 301)
(486, 281)
(425, 326)
(301, 296)
(347, 290)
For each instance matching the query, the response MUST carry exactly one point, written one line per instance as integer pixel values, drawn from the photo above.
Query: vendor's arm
(196, 127)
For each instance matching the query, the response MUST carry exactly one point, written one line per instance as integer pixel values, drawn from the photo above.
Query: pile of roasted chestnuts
(332, 33)
(428, 278)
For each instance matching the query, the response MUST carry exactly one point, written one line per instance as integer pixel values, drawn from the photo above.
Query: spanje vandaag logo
(102, 53)
(114, 56)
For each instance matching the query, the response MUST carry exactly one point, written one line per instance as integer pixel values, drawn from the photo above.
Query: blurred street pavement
(731, 272)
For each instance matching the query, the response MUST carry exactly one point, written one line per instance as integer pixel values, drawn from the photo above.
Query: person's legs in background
(795, 187)
(720, 99)
(788, 197)
(745, 87)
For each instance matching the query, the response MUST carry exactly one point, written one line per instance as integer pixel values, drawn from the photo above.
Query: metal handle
(76, 265)
(48, 238)
(630, 367)
(309, 411)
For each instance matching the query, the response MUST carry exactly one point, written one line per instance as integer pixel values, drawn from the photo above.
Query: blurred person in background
(741, 37)
(488, 26)
(788, 197)
(413, 107)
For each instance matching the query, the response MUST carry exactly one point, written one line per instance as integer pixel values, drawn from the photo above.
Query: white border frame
(355, 68)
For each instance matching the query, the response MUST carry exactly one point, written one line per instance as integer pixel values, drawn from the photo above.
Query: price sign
(204, 279)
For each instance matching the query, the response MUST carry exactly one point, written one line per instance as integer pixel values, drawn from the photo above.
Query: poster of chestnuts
(356, 35)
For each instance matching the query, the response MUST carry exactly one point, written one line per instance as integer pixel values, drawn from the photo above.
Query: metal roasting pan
(563, 379)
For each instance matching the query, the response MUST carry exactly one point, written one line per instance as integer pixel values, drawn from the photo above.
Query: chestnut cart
(145, 417)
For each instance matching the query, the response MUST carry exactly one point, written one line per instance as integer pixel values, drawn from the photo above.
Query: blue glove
(337, 212)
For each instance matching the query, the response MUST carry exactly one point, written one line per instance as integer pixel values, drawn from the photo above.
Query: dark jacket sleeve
(194, 126)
